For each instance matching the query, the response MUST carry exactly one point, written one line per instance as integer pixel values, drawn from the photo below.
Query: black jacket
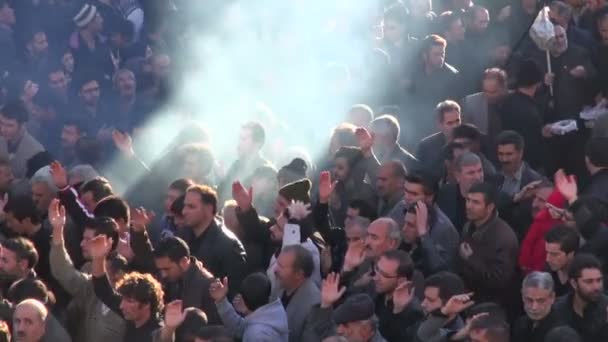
(524, 329)
(598, 186)
(430, 153)
(398, 327)
(221, 252)
(592, 327)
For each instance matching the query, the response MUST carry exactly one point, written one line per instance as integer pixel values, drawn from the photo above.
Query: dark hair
(215, 333)
(142, 288)
(31, 33)
(510, 138)
(173, 248)
(397, 168)
(448, 284)
(581, 262)
(30, 288)
(567, 238)
(365, 210)
(181, 185)
(23, 207)
(99, 187)
(24, 249)
(177, 207)
(406, 265)
(15, 110)
(491, 308)
(88, 150)
(76, 122)
(303, 261)
(207, 195)
(104, 225)
(466, 131)
(37, 162)
(429, 185)
(258, 134)
(488, 190)
(596, 150)
(255, 290)
(195, 318)
(386, 123)
(446, 20)
(432, 40)
(562, 333)
(528, 74)
(397, 12)
(114, 207)
(445, 107)
(117, 263)
(497, 329)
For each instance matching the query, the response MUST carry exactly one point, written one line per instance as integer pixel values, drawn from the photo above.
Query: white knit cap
(85, 15)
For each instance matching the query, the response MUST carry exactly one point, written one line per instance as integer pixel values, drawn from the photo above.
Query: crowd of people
(462, 197)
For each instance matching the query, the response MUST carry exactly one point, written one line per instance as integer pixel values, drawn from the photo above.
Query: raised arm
(99, 248)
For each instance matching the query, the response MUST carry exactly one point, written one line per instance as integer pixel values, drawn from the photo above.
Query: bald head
(29, 321)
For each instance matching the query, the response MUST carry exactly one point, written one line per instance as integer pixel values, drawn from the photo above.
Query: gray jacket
(266, 324)
(475, 111)
(27, 148)
(298, 310)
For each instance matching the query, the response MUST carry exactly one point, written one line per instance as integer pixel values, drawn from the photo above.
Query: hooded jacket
(266, 324)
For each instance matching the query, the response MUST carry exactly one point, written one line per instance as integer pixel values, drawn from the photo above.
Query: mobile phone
(291, 234)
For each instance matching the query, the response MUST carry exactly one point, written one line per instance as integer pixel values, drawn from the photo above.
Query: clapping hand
(174, 314)
(100, 246)
(457, 304)
(331, 291)
(355, 255)
(566, 185)
(141, 218)
(326, 187)
(219, 289)
(123, 143)
(57, 219)
(59, 174)
(243, 198)
(402, 296)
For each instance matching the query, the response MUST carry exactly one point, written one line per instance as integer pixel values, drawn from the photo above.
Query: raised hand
(57, 219)
(331, 291)
(326, 187)
(239, 305)
(174, 314)
(465, 250)
(219, 289)
(59, 174)
(365, 139)
(457, 304)
(123, 143)
(422, 218)
(355, 255)
(566, 185)
(100, 246)
(243, 198)
(402, 296)
(141, 218)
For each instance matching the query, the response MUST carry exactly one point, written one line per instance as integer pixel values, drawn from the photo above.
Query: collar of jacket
(477, 232)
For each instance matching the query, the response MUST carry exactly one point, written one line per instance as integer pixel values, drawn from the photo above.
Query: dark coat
(491, 270)
(221, 252)
(525, 330)
(430, 153)
(598, 186)
(398, 327)
(593, 326)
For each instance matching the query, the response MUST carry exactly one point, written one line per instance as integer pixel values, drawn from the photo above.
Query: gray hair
(466, 159)
(84, 172)
(394, 233)
(542, 280)
(36, 305)
(360, 222)
(386, 124)
(43, 175)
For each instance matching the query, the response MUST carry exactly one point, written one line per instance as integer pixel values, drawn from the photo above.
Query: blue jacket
(266, 324)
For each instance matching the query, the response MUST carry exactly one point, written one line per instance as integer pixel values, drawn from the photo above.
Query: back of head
(528, 74)
(255, 290)
(562, 333)
(303, 261)
(293, 171)
(195, 319)
(114, 207)
(596, 151)
(214, 333)
(15, 110)
(173, 248)
(99, 187)
(466, 131)
(37, 162)
(30, 288)
(496, 329)
(22, 208)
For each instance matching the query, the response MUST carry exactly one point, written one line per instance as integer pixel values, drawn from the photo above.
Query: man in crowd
(386, 132)
(480, 109)
(389, 186)
(561, 244)
(515, 172)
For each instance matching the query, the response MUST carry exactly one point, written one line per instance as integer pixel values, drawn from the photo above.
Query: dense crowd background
(461, 193)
